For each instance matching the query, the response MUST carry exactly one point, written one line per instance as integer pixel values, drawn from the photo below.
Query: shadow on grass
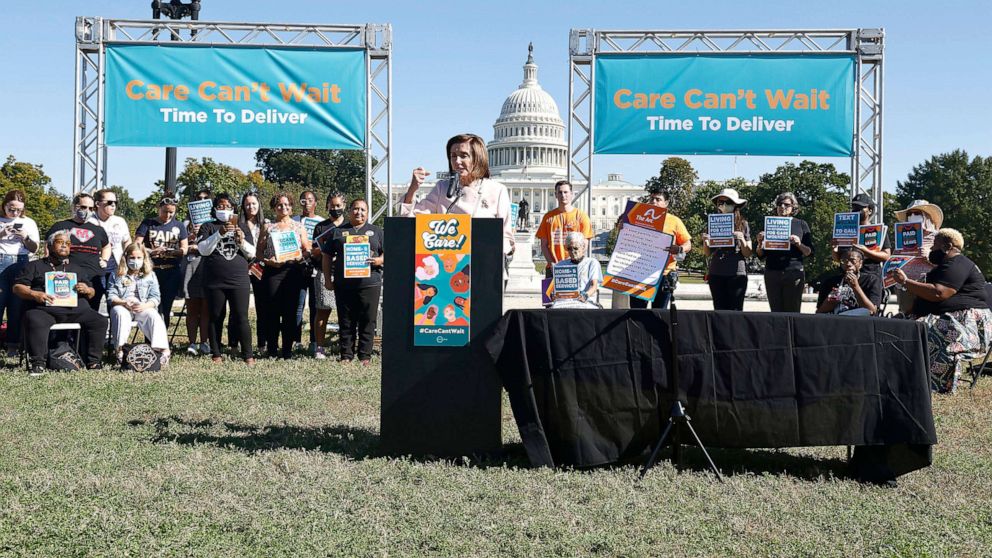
(349, 441)
(733, 462)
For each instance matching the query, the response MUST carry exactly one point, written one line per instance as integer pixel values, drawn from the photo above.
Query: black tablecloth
(586, 386)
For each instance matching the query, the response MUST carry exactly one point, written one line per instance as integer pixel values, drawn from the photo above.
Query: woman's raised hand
(417, 180)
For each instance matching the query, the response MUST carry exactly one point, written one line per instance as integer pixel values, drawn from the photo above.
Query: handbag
(141, 357)
(63, 357)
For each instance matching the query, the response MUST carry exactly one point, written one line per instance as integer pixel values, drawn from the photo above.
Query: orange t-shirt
(675, 227)
(556, 224)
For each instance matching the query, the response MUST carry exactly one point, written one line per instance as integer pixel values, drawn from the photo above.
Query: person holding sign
(40, 283)
(19, 239)
(309, 219)
(852, 292)
(952, 302)
(197, 321)
(355, 274)
(874, 256)
(226, 246)
(134, 296)
(90, 244)
(676, 253)
(283, 245)
(727, 270)
(929, 217)
(166, 242)
(589, 272)
(469, 191)
(559, 223)
(323, 235)
(785, 276)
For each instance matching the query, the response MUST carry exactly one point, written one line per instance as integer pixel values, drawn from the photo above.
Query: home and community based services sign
(235, 96)
(442, 292)
(723, 104)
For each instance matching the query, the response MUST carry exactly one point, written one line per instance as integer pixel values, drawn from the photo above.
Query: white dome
(532, 103)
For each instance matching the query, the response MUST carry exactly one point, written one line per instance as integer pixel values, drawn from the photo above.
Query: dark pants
(785, 289)
(261, 318)
(357, 310)
(170, 281)
(662, 299)
(282, 291)
(37, 322)
(307, 295)
(9, 302)
(728, 291)
(217, 301)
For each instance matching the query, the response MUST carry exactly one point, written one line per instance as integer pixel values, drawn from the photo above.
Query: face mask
(224, 215)
(135, 264)
(335, 213)
(915, 219)
(726, 207)
(82, 214)
(937, 257)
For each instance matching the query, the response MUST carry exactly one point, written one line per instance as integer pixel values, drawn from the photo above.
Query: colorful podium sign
(442, 290)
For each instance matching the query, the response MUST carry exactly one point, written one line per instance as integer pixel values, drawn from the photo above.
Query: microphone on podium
(454, 184)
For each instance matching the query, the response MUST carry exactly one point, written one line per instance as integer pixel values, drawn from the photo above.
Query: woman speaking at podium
(468, 191)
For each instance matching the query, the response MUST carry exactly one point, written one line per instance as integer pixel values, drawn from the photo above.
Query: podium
(440, 401)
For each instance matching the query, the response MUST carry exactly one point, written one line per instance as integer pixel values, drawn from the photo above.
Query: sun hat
(923, 206)
(731, 195)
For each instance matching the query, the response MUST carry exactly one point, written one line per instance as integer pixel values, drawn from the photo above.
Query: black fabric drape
(586, 385)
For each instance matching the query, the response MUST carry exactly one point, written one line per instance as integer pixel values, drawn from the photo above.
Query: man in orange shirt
(557, 223)
(679, 248)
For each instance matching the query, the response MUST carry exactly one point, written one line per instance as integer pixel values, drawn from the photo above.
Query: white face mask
(135, 264)
(915, 219)
(224, 215)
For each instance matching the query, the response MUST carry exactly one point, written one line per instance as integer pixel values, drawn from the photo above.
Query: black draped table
(586, 386)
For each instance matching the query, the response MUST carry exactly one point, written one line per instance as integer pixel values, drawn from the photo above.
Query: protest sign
(61, 286)
(356, 257)
(566, 278)
(286, 245)
(909, 239)
(640, 254)
(720, 230)
(871, 236)
(892, 264)
(309, 223)
(199, 211)
(846, 228)
(778, 233)
(442, 290)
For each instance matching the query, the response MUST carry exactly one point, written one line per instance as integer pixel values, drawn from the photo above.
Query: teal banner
(724, 104)
(201, 96)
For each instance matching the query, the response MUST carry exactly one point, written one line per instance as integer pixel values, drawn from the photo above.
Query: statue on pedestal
(523, 215)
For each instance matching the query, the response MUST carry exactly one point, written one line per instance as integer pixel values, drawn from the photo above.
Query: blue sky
(938, 82)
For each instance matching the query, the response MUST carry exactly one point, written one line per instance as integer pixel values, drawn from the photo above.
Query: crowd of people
(216, 266)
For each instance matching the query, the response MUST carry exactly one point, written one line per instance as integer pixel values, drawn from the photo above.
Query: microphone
(454, 184)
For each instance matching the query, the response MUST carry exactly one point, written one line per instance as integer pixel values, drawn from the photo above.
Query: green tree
(962, 187)
(44, 203)
(821, 191)
(676, 176)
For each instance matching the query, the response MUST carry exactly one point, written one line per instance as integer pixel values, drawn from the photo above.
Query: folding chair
(68, 326)
(180, 317)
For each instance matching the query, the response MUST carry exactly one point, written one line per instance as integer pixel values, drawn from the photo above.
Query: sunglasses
(167, 201)
(85, 207)
(109, 202)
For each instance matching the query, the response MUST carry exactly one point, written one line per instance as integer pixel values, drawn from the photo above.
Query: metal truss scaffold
(866, 45)
(89, 169)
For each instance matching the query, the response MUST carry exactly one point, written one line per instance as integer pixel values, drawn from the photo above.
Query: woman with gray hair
(785, 276)
(952, 302)
(590, 274)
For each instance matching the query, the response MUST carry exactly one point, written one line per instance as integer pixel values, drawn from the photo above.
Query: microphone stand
(677, 417)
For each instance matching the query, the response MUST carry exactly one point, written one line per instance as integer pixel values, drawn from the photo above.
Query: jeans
(10, 268)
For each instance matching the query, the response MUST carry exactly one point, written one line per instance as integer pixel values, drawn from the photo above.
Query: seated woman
(851, 293)
(951, 302)
(41, 314)
(590, 273)
(134, 296)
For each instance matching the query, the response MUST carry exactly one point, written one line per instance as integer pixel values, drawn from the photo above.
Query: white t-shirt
(11, 245)
(117, 231)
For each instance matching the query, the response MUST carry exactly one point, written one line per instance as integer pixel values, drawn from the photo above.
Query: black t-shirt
(87, 241)
(337, 248)
(325, 242)
(870, 283)
(870, 265)
(780, 260)
(960, 274)
(33, 275)
(158, 235)
(226, 266)
(729, 261)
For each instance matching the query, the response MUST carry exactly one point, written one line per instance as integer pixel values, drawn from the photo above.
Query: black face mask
(937, 257)
(335, 213)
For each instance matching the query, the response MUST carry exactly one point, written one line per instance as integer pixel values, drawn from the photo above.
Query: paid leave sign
(202, 96)
(442, 294)
(724, 104)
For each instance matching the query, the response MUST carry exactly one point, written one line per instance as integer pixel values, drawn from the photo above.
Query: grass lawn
(281, 460)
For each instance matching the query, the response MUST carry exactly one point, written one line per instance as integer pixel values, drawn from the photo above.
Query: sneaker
(319, 355)
(12, 352)
(192, 350)
(205, 348)
(36, 370)
(312, 348)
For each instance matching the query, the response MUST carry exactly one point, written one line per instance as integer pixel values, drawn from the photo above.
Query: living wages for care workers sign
(640, 253)
(442, 280)
(209, 96)
(724, 104)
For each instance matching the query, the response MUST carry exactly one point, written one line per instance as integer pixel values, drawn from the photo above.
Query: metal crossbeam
(94, 33)
(865, 44)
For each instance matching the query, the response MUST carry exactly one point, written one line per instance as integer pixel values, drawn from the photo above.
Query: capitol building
(529, 153)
